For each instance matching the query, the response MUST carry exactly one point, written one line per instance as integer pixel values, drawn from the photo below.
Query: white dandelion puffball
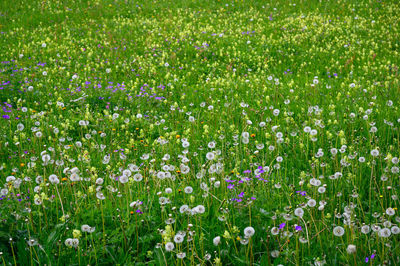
(338, 231)
(216, 240)
(249, 231)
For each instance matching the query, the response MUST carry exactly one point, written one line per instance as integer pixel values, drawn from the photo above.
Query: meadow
(199, 132)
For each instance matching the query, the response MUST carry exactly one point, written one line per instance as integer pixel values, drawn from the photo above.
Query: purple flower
(6, 116)
(282, 225)
(298, 228)
(231, 186)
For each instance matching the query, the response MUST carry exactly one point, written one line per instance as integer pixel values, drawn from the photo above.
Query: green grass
(211, 92)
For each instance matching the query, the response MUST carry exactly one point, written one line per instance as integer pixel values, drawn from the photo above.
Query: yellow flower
(76, 233)
(227, 235)
(235, 230)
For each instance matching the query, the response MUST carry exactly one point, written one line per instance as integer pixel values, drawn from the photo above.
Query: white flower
(185, 144)
(217, 240)
(351, 249)
(200, 209)
(46, 158)
(390, 211)
(245, 135)
(138, 177)
(181, 255)
(299, 212)
(188, 190)
(375, 153)
(311, 203)
(100, 195)
(275, 253)
(85, 228)
(395, 230)
(54, 179)
(124, 179)
(75, 242)
(169, 246)
(178, 238)
(210, 156)
(211, 145)
(20, 127)
(385, 232)
(183, 208)
(32, 242)
(338, 231)
(68, 242)
(365, 229)
(275, 231)
(75, 177)
(249, 231)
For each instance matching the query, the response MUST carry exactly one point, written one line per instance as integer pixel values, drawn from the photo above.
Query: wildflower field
(199, 132)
